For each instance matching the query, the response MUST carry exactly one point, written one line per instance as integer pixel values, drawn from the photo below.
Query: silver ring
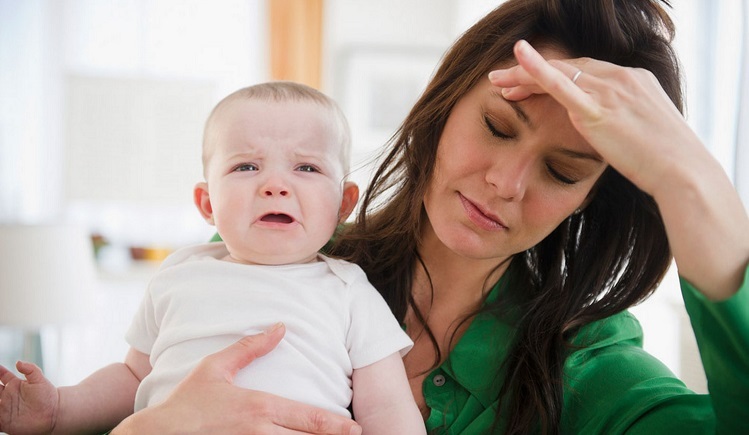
(577, 75)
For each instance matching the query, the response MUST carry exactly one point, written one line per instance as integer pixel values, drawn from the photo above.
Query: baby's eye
(245, 167)
(307, 168)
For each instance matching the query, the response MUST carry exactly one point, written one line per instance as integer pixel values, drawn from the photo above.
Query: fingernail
(494, 75)
(273, 328)
(356, 430)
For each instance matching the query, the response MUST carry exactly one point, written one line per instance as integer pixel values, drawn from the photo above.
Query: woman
(514, 221)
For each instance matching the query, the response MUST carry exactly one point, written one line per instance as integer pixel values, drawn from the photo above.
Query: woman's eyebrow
(519, 112)
(581, 155)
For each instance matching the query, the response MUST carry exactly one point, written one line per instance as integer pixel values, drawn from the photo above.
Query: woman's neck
(456, 281)
(447, 289)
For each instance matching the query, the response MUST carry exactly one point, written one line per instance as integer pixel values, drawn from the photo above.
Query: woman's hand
(207, 402)
(627, 117)
(622, 112)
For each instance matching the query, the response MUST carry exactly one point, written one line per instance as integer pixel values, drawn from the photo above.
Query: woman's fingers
(534, 74)
(301, 418)
(227, 408)
(224, 364)
(518, 76)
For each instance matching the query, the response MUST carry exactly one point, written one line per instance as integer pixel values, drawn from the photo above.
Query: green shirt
(611, 385)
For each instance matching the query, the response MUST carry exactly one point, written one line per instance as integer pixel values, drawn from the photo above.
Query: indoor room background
(102, 105)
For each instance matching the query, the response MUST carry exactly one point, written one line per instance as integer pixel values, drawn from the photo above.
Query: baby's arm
(95, 405)
(383, 402)
(103, 399)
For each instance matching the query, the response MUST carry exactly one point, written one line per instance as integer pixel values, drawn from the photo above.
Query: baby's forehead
(241, 116)
(261, 104)
(308, 113)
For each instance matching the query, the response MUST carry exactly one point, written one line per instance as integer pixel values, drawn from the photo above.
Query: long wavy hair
(598, 262)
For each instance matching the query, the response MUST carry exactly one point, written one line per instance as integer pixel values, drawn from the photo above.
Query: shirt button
(439, 380)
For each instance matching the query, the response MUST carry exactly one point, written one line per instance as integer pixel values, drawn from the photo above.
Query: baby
(275, 159)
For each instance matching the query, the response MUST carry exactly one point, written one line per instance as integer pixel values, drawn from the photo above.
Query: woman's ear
(203, 202)
(350, 197)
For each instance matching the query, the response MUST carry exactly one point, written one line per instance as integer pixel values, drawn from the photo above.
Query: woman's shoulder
(611, 382)
(622, 328)
(606, 357)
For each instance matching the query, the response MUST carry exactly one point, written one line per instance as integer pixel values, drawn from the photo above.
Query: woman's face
(506, 174)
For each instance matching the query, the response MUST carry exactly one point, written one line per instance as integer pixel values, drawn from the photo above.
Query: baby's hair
(280, 91)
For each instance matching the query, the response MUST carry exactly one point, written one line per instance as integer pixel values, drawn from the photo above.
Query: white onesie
(198, 304)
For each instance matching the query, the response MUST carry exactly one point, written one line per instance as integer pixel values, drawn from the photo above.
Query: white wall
(30, 123)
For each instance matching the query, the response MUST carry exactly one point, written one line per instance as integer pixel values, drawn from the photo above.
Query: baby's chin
(276, 259)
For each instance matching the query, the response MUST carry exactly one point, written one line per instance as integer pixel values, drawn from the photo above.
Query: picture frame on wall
(378, 88)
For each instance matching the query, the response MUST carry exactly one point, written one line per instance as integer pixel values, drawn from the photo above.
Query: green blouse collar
(477, 356)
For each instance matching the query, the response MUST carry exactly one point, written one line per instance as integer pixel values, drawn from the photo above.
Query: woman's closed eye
(561, 176)
(496, 131)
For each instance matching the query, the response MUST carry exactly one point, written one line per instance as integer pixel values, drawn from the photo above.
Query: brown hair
(282, 91)
(599, 262)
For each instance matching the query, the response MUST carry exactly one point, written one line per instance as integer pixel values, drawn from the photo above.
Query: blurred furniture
(46, 279)
(296, 31)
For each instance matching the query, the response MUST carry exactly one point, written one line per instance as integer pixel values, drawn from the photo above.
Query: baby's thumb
(32, 372)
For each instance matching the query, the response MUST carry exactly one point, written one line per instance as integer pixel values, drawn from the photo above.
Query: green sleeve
(614, 386)
(722, 332)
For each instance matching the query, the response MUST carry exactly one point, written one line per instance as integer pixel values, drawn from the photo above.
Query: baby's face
(275, 179)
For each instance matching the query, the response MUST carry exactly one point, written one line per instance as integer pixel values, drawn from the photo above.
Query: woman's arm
(207, 402)
(627, 117)
(383, 402)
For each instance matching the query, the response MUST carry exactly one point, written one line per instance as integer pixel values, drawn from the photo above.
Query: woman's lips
(481, 218)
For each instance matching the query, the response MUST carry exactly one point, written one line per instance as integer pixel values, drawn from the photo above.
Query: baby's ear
(203, 202)
(348, 202)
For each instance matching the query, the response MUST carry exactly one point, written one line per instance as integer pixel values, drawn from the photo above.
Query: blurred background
(102, 105)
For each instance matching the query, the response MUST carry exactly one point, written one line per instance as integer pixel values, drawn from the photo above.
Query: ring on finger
(577, 76)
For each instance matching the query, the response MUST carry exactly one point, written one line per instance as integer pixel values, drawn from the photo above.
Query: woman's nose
(510, 177)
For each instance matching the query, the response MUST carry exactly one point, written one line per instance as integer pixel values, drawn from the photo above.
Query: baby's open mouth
(277, 218)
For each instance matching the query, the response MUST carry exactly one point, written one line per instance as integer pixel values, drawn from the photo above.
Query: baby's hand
(27, 406)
